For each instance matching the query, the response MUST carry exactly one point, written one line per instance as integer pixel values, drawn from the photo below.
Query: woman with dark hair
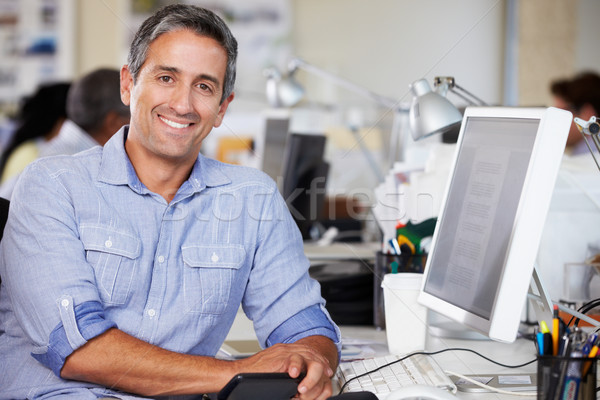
(580, 95)
(39, 120)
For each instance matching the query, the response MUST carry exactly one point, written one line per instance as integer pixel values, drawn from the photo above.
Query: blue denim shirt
(88, 247)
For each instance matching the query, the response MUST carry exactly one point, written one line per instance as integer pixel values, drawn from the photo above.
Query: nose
(180, 100)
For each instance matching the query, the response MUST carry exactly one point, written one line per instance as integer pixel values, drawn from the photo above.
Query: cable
(491, 388)
(427, 353)
(590, 305)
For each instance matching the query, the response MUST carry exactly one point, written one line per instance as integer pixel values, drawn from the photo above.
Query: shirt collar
(116, 168)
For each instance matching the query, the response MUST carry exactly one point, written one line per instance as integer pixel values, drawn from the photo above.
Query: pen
(555, 330)
(563, 345)
(592, 354)
(540, 342)
(544, 327)
(589, 343)
(547, 344)
(572, 378)
(395, 246)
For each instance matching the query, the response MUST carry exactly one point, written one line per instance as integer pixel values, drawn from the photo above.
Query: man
(94, 113)
(123, 267)
(581, 96)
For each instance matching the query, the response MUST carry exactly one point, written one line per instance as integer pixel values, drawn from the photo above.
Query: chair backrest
(3, 214)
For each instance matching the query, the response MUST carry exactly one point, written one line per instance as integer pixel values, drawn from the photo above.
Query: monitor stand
(443, 327)
(542, 305)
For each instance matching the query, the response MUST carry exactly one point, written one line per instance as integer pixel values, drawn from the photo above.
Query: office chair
(3, 214)
(3, 217)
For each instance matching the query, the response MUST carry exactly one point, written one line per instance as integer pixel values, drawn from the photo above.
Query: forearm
(120, 361)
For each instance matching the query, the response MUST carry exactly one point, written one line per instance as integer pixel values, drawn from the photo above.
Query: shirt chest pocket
(114, 256)
(208, 276)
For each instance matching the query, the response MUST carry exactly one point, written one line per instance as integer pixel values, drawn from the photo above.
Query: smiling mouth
(173, 124)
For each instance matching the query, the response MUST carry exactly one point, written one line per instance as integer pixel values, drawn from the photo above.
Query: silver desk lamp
(285, 91)
(431, 112)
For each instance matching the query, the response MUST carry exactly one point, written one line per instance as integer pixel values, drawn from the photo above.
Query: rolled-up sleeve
(45, 271)
(78, 325)
(311, 321)
(284, 302)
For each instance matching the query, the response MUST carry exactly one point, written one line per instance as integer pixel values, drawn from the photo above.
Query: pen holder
(384, 265)
(558, 377)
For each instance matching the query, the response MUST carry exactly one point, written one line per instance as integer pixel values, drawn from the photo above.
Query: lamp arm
(467, 96)
(377, 98)
(591, 128)
(445, 83)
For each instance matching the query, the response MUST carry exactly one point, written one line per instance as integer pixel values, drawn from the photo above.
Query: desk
(464, 363)
(340, 251)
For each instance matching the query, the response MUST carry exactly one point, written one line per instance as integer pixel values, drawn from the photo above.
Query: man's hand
(315, 355)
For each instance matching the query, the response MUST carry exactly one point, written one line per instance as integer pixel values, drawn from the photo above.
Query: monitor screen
(276, 126)
(304, 179)
(488, 231)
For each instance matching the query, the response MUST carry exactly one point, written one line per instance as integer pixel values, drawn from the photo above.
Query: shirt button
(64, 303)
(214, 258)
(152, 312)
(161, 259)
(108, 243)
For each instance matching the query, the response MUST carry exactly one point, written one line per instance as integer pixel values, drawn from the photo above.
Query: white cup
(405, 318)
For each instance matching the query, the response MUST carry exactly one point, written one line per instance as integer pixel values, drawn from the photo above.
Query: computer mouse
(420, 392)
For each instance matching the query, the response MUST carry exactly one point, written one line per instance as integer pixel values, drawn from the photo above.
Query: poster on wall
(35, 46)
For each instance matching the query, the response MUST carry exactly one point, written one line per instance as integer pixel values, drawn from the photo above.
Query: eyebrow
(176, 70)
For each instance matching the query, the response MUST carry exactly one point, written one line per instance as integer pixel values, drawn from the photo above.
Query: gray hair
(184, 16)
(93, 96)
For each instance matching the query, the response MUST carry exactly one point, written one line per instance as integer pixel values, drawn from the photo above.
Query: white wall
(387, 44)
(587, 55)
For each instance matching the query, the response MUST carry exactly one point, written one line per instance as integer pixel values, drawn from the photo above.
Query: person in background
(123, 267)
(39, 119)
(580, 95)
(94, 113)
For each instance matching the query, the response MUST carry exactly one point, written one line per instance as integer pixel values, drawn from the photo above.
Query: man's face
(175, 102)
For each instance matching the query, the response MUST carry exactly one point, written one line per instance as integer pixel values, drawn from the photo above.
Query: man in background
(94, 113)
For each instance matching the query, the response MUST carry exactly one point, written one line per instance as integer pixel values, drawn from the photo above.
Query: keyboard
(416, 370)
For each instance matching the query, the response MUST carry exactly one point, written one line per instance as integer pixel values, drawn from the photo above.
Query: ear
(222, 108)
(126, 85)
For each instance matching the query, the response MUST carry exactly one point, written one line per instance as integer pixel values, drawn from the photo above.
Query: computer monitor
(304, 179)
(482, 256)
(272, 145)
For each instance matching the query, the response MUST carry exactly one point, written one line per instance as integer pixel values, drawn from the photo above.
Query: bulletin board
(36, 46)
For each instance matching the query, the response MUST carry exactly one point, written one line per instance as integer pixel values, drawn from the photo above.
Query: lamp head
(430, 112)
(282, 91)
